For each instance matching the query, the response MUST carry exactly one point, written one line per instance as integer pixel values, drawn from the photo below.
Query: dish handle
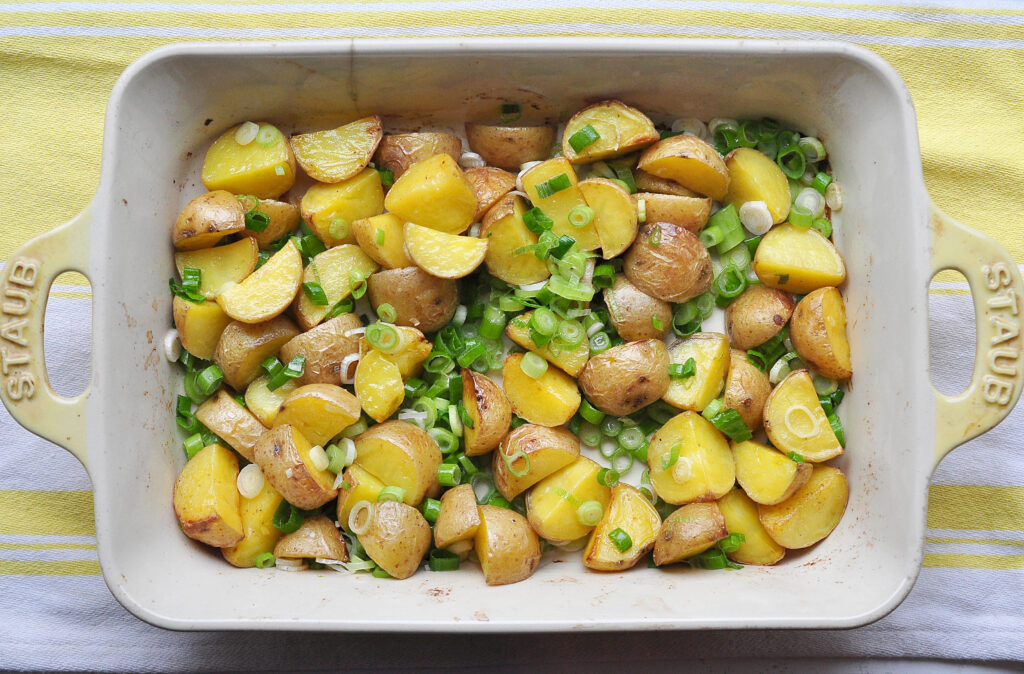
(24, 287)
(998, 293)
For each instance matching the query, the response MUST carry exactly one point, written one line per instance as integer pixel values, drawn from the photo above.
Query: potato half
(459, 517)
(755, 177)
(625, 378)
(710, 354)
(635, 314)
(668, 262)
(552, 506)
(400, 454)
(746, 389)
(259, 533)
(549, 400)
(818, 331)
(628, 512)
(797, 260)
(324, 347)
(768, 476)
(207, 219)
(757, 315)
(398, 151)
(378, 385)
(331, 208)
(528, 454)
(434, 193)
(690, 213)
(319, 411)
(396, 538)
(242, 347)
(231, 422)
(795, 421)
(689, 531)
(199, 326)
(811, 513)
(220, 266)
(619, 128)
(506, 546)
(266, 292)
(741, 517)
(420, 300)
(703, 468)
(509, 147)
(506, 233)
(333, 155)
(558, 204)
(488, 408)
(282, 453)
(338, 270)
(490, 185)
(443, 255)
(571, 359)
(316, 538)
(263, 167)
(689, 161)
(206, 498)
(382, 237)
(615, 217)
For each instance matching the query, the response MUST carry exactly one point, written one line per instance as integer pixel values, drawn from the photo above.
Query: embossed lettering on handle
(15, 357)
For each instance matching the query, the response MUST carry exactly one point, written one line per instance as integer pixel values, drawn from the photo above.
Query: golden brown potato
(266, 292)
(630, 512)
(459, 517)
(333, 155)
(316, 538)
(319, 411)
(357, 485)
(330, 208)
(207, 219)
(506, 234)
(420, 300)
(400, 454)
(260, 534)
(690, 213)
(620, 129)
(528, 454)
(408, 357)
(324, 347)
(243, 346)
(509, 147)
(434, 193)
(490, 185)
(797, 260)
(668, 262)
(231, 422)
(335, 269)
(741, 518)
(689, 531)
(571, 360)
(703, 469)
(489, 409)
(552, 506)
(382, 237)
(199, 326)
(689, 161)
(768, 476)
(221, 266)
(811, 513)
(396, 538)
(635, 314)
(263, 167)
(206, 498)
(443, 255)
(746, 389)
(283, 454)
(548, 400)
(399, 151)
(625, 378)
(378, 385)
(646, 182)
(710, 354)
(818, 331)
(615, 216)
(263, 402)
(756, 316)
(795, 421)
(284, 218)
(753, 176)
(506, 546)
(558, 205)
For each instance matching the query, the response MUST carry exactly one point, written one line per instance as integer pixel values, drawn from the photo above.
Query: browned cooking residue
(480, 615)
(439, 592)
(149, 336)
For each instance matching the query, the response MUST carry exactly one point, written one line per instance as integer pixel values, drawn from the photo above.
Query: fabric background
(58, 62)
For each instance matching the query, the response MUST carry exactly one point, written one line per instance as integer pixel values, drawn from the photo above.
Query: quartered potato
(635, 314)
(282, 453)
(400, 454)
(506, 546)
(443, 255)
(259, 535)
(710, 353)
(319, 411)
(357, 484)
(331, 208)
(263, 167)
(231, 422)
(199, 326)
(755, 177)
(689, 531)
(324, 348)
(741, 517)
(614, 214)
(818, 331)
(558, 204)
(490, 185)
(549, 400)
(570, 359)
(628, 511)
(505, 232)
(219, 266)
(489, 410)
(757, 315)
(242, 347)
(413, 349)
(703, 468)
(382, 237)
(797, 260)
(646, 182)
(337, 270)
(690, 213)
(420, 300)
(207, 219)
(811, 513)
(396, 538)
(768, 476)
(284, 218)
(509, 147)
(795, 421)
(552, 506)
(378, 385)
(206, 498)
(619, 128)
(316, 538)
(264, 403)
(528, 454)
(459, 517)
(668, 262)
(266, 292)
(434, 193)
(746, 389)
(334, 155)
(689, 161)
(398, 151)
(625, 378)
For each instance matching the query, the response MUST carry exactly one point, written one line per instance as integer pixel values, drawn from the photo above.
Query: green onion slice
(581, 216)
(315, 293)
(620, 539)
(729, 422)
(589, 513)
(431, 508)
(582, 138)
(287, 518)
(553, 185)
(607, 477)
(536, 221)
(391, 493)
(442, 560)
(510, 459)
(383, 337)
(510, 112)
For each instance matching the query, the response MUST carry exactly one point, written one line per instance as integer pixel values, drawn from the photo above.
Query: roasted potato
(506, 233)
(231, 422)
(741, 517)
(668, 262)
(398, 151)
(615, 215)
(689, 531)
(282, 453)
(630, 512)
(757, 315)
(552, 506)
(811, 513)
(645, 182)
(264, 403)
(755, 177)
(797, 260)
(324, 347)
(331, 208)
(259, 533)
(199, 326)
(490, 185)
(333, 155)
(557, 205)
(242, 347)
(746, 389)
(434, 193)
(795, 421)
(635, 314)
(818, 331)
(509, 147)
(337, 270)
(207, 219)
(690, 213)
(378, 385)
(458, 519)
(489, 409)
(319, 411)
(689, 161)
(382, 237)
(357, 484)
(528, 454)
(443, 255)
(400, 454)
(396, 538)
(206, 498)
(263, 167)
(284, 218)
(506, 546)
(570, 359)
(420, 300)
(768, 476)
(316, 538)
(549, 400)
(703, 469)
(625, 378)
(219, 266)
(412, 350)
(710, 353)
(266, 292)
(619, 128)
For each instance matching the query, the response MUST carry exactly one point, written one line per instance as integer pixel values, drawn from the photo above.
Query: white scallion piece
(808, 177)
(522, 170)
(691, 127)
(595, 328)
(641, 210)
(474, 230)
(530, 287)
(417, 417)
(755, 217)
(461, 312)
(286, 564)
(352, 332)
(779, 370)
(812, 200)
(834, 196)
(719, 121)
(804, 432)
(318, 457)
(246, 133)
(454, 421)
(348, 368)
(471, 160)
(360, 518)
(813, 148)
(682, 470)
(279, 170)
(250, 481)
(172, 346)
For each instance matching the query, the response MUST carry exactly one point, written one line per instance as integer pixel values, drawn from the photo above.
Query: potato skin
(459, 516)
(207, 219)
(243, 346)
(689, 531)
(233, 423)
(508, 549)
(278, 457)
(324, 347)
(490, 410)
(625, 378)
(316, 537)
(689, 212)
(808, 329)
(399, 151)
(490, 185)
(757, 315)
(509, 147)
(652, 183)
(633, 311)
(675, 270)
(746, 389)
(420, 300)
(397, 538)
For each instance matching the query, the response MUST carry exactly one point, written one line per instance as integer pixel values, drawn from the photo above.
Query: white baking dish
(167, 107)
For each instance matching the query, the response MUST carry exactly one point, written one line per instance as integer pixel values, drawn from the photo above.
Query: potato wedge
(635, 314)
(264, 403)
(690, 213)
(316, 538)
(490, 185)
(398, 151)
(557, 205)
(333, 155)
(746, 389)
(703, 469)
(689, 161)
(264, 168)
(768, 476)
(231, 422)
(552, 504)
(259, 535)
(420, 300)
(434, 193)
(710, 352)
(378, 385)
(818, 331)
(266, 292)
(357, 484)
(397, 538)
(506, 233)
(668, 262)
(489, 409)
(795, 421)
(755, 177)
(199, 326)
(689, 531)
(741, 517)
(528, 454)
(459, 517)
(282, 453)
(413, 350)
(629, 511)
(324, 347)
(757, 315)
(206, 498)
(797, 260)
(243, 346)
(549, 400)
(444, 255)
(337, 270)
(383, 239)
(811, 513)
(625, 378)
(646, 182)
(319, 411)
(620, 129)
(615, 215)
(206, 220)
(509, 147)
(284, 218)
(400, 454)
(571, 360)
(219, 266)
(331, 208)
(506, 546)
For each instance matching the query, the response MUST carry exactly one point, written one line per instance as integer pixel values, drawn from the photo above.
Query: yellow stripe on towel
(46, 513)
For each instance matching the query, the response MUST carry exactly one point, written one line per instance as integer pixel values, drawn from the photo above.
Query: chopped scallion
(620, 539)
(683, 370)
(510, 112)
(553, 185)
(582, 138)
(315, 293)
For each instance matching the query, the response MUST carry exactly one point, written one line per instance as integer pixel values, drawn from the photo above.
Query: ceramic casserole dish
(167, 108)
